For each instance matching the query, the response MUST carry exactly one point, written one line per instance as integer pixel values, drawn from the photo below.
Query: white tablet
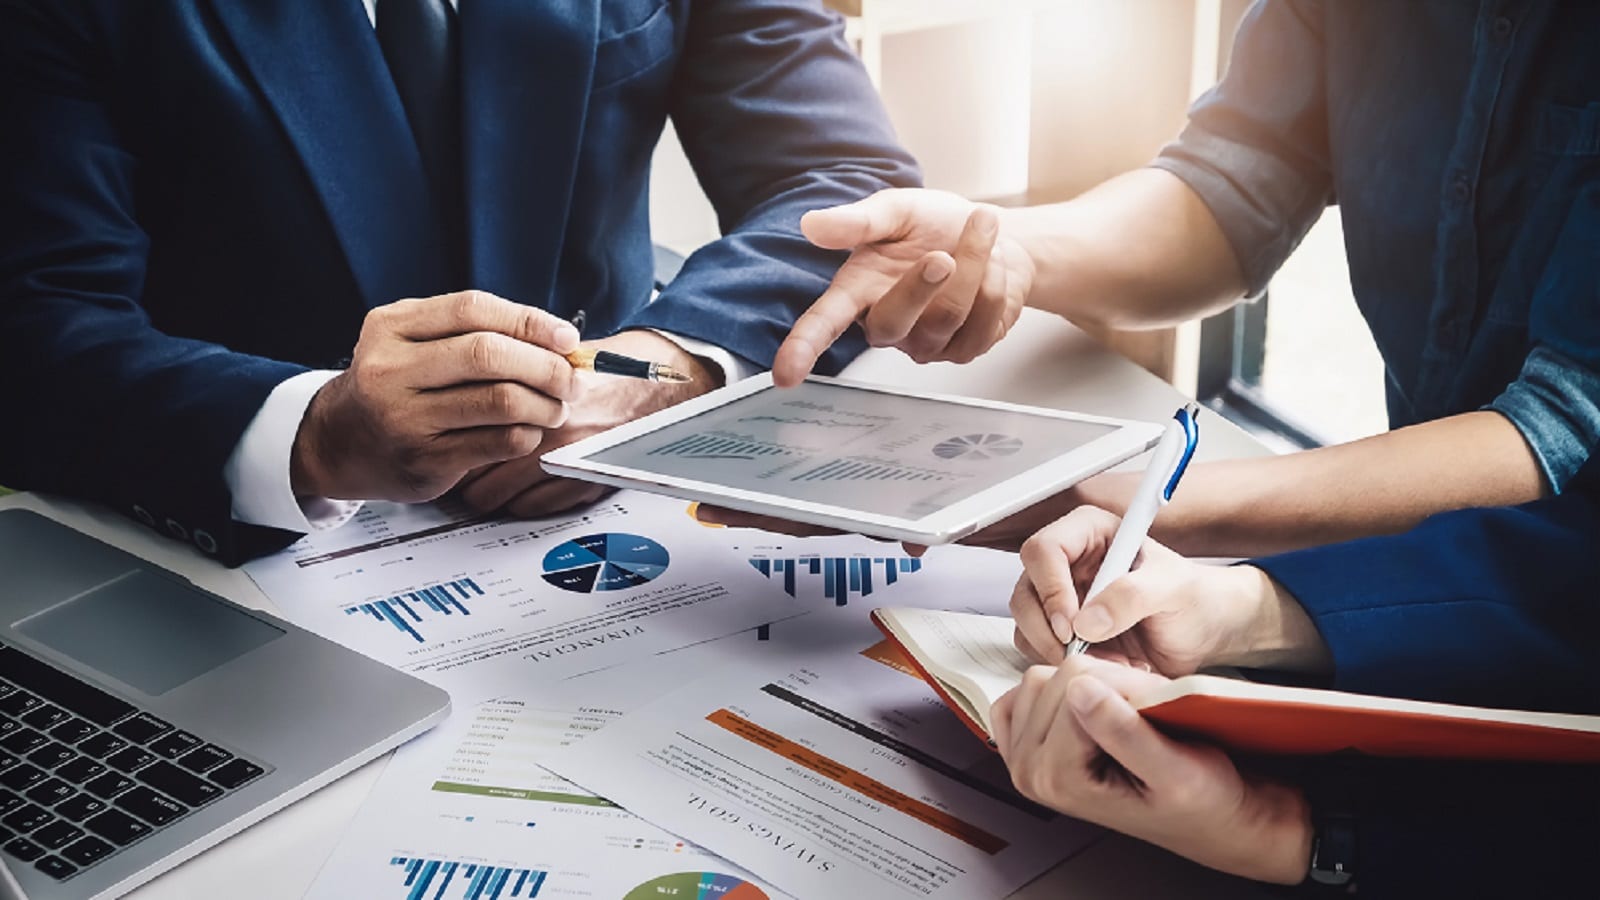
(876, 460)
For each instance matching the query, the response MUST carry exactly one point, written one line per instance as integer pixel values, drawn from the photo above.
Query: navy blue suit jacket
(202, 198)
(1486, 607)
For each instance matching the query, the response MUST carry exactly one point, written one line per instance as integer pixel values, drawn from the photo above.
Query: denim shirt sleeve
(1256, 146)
(1555, 403)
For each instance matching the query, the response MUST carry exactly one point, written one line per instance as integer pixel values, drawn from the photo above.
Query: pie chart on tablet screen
(610, 561)
(697, 886)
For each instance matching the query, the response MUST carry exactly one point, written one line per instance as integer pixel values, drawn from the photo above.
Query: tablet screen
(855, 448)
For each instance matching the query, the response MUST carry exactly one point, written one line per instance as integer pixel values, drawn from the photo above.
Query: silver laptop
(143, 720)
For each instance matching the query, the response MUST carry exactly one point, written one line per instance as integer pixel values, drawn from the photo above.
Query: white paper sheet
(465, 813)
(829, 770)
(483, 606)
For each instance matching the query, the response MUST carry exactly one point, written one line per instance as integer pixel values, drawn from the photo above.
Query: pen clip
(1187, 419)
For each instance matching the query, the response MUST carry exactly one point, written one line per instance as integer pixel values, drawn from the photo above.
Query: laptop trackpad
(149, 632)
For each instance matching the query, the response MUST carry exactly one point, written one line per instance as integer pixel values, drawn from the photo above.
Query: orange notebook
(970, 661)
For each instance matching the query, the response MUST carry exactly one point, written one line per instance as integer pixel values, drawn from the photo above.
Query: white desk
(1044, 362)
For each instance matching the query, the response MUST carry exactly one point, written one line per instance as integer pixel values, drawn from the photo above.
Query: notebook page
(968, 650)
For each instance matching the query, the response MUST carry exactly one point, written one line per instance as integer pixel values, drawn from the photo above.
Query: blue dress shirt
(1461, 141)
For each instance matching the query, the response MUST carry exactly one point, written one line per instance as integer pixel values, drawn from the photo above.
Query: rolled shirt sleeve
(1256, 146)
(1555, 403)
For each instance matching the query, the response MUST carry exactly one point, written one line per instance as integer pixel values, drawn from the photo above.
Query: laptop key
(27, 818)
(204, 758)
(142, 728)
(51, 792)
(60, 688)
(19, 702)
(175, 744)
(109, 785)
(46, 717)
(150, 806)
(21, 777)
(51, 755)
(117, 827)
(102, 745)
(24, 740)
(55, 867)
(8, 725)
(88, 851)
(186, 788)
(57, 835)
(72, 731)
(129, 759)
(7, 760)
(24, 849)
(80, 807)
(235, 773)
(80, 770)
(9, 801)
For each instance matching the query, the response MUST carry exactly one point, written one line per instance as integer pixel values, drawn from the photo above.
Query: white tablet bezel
(949, 524)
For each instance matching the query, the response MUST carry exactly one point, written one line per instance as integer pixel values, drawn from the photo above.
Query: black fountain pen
(607, 363)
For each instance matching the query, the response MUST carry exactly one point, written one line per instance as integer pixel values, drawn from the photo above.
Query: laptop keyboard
(84, 774)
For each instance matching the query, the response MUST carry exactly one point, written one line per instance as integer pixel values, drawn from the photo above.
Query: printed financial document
(828, 770)
(482, 605)
(466, 793)
(466, 813)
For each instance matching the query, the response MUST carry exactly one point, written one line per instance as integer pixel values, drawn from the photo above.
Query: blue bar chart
(843, 577)
(472, 881)
(405, 611)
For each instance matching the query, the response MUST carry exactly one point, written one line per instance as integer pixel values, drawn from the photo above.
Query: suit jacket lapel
(319, 66)
(526, 72)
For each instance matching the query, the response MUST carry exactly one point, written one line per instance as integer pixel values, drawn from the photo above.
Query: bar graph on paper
(842, 578)
(466, 881)
(406, 611)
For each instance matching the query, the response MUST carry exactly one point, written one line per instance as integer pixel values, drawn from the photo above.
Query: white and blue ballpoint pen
(1161, 476)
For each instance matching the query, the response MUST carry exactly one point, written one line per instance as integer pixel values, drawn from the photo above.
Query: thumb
(1117, 728)
(1125, 603)
(880, 217)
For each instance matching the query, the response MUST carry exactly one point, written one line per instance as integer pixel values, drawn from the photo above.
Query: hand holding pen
(1090, 544)
(1161, 476)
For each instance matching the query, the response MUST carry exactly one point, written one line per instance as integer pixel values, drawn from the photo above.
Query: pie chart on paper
(697, 886)
(610, 561)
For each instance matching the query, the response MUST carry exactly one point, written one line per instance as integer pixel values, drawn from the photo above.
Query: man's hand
(929, 273)
(1074, 743)
(522, 488)
(435, 388)
(1169, 613)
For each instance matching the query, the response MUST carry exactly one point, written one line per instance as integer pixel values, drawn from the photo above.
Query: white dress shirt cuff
(733, 368)
(257, 471)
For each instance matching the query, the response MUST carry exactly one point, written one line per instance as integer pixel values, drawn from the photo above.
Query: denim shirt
(1461, 141)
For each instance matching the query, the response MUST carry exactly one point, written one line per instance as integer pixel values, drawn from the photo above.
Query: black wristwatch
(1334, 809)
(1333, 852)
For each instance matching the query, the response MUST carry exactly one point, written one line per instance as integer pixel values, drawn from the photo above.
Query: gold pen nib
(666, 373)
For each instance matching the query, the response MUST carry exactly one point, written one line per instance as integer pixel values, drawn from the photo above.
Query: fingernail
(1062, 628)
(937, 269)
(566, 337)
(1093, 623)
(1084, 693)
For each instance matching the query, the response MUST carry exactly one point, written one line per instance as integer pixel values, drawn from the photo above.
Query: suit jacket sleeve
(97, 401)
(777, 116)
(1488, 607)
